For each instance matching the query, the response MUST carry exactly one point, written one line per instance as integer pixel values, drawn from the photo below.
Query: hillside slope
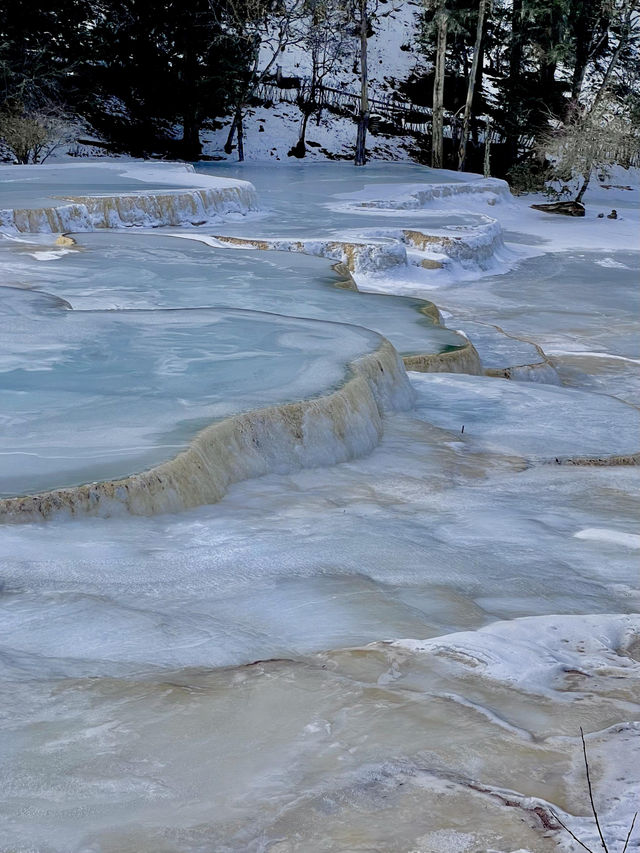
(271, 131)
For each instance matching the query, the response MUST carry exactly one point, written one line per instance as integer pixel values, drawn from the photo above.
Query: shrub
(31, 137)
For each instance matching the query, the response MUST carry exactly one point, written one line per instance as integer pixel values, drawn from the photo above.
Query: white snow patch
(611, 263)
(613, 537)
(534, 653)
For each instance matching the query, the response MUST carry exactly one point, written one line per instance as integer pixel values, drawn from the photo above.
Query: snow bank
(536, 654)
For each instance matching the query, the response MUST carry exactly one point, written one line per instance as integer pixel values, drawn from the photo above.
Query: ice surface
(300, 197)
(50, 185)
(536, 653)
(584, 316)
(315, 199)
(420, 539)
(112, 270)
(524, 418)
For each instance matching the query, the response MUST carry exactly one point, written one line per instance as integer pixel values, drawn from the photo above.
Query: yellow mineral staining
(463, 359)
(65, 240)
(248, 242)
(350, 254)
(347, 281)
(424, 242)
(82, 213)
(430, 310)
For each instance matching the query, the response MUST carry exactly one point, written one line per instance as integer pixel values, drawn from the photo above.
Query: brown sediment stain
(243, 446)
(424, 242)
(599, 461)
(480, 244)
(382, 254)
(527, 805)
(464, 359)
(65, 240)
(347, 281)
(430, 309)
(244, 241)
(512, 372)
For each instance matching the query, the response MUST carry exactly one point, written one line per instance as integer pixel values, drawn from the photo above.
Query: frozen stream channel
(394, 653)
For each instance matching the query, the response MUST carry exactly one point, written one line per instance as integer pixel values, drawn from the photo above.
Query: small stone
(601, 216)
(613, 215)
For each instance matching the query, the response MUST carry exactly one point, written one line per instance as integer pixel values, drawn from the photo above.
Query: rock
(601, 216)
(565, 208)
(431, 264)
(613, 215)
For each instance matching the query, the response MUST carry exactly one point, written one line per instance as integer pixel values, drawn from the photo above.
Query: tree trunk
(228, 146)
(437, 143)
(550, 38)
(585, 184)
(191, 145)
(237, 125)
(487, 150)
(363, 123)
(590, 28)
(622, 43)
(300, 149)
(579, 71)
(240, 129)
(480, 73)
(515, 71)
(303, 131)
(462, 153)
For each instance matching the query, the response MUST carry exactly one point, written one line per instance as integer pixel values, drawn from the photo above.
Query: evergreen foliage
(132, 69)
(551, 78)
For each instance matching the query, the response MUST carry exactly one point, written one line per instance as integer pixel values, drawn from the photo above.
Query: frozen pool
(304, 198)
(53, 185)
(90, 395)
(150, 270)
